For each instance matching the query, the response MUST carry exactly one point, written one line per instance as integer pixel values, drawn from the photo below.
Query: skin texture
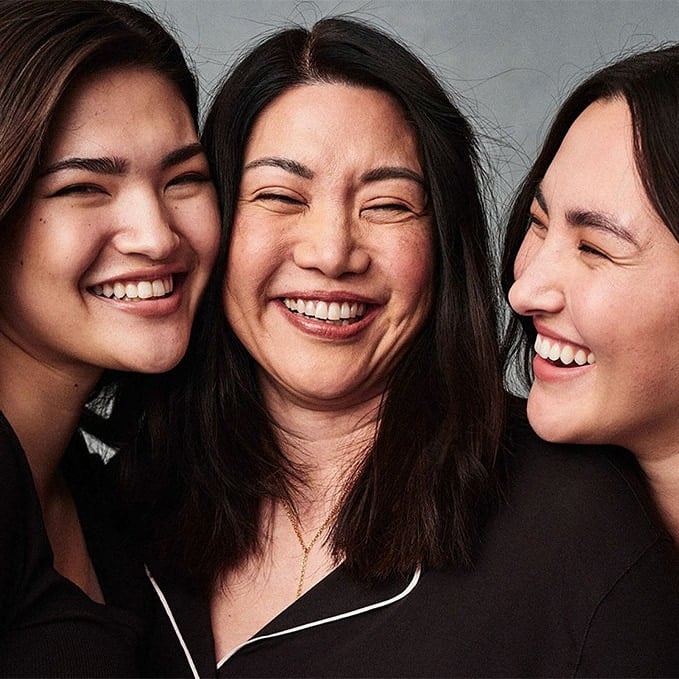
(140, 215)
(597, 269)
(315, 221)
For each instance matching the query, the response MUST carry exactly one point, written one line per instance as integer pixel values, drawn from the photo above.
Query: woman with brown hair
(108, 229)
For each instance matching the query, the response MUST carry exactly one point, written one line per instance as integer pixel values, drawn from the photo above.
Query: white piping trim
(333, 618)
(168, 612)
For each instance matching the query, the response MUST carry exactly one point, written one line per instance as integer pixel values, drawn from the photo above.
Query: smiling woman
(108, 229)
(595, 273)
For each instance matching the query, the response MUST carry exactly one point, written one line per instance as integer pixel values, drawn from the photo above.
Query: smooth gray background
(509, 61)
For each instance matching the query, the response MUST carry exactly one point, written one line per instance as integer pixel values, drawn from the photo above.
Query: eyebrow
(117, 166)
(593, 219)
(305, 172)
(286, 164)
(381, 173)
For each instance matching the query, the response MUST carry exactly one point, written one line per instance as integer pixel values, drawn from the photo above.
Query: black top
(575, 578)
(48, 626)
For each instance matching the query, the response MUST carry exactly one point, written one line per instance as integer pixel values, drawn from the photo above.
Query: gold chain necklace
(306, 549)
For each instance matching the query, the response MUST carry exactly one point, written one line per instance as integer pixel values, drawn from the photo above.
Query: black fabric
(48, 626)
(575, 578)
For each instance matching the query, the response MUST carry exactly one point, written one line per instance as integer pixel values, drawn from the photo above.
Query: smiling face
(597, 272)
(330, 264)
(106, 267)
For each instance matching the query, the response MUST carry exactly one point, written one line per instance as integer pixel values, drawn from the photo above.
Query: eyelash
(588, 249)
(280, 197)
(72, 189)
(188, 178)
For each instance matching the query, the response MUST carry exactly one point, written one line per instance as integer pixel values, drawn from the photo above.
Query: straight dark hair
(422, 492)
(649, 83)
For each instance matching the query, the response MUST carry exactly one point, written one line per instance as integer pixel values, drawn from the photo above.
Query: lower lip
(548, 372)
(153, 307)
(324, 330)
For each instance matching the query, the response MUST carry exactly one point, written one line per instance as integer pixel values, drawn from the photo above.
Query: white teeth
(322, 311)
(338, 313)
(145, 290)
(556, 351)
(580, 357)
(158, 287)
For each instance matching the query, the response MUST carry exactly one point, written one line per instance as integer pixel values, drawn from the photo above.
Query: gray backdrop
(510, 61)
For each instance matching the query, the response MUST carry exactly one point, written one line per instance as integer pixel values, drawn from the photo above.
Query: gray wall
(512, 61)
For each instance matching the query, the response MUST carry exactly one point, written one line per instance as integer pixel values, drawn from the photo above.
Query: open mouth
(135, 290)
(562, 354)
(335, 313)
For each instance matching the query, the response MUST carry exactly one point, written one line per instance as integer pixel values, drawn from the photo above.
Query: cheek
(412, 271)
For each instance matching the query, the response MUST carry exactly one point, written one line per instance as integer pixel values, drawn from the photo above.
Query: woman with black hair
(590, 265)
(336, 489)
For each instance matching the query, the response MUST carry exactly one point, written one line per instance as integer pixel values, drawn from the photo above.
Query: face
(597, 272)
(113, 252)
(330, 265)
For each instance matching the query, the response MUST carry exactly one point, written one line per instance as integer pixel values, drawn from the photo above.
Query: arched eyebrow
(286, 164)
(115, 165)
(381, 173)
(593, 219)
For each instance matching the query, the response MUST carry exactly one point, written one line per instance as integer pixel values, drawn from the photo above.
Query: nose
(539, 276)
(330, 242)
(145, 226)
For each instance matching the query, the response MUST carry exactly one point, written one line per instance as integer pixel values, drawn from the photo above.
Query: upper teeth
(158, 287)
(560, 351)
(324, 311)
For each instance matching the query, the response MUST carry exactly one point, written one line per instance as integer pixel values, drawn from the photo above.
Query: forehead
(346, 117)
(114, 105)
(595, 164)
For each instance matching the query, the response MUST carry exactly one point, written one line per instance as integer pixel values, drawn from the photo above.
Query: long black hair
(649, 83)
(428, 481)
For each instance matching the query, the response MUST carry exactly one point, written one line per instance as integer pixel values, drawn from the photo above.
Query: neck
(663, 478)
(326, 444)
(43, 404)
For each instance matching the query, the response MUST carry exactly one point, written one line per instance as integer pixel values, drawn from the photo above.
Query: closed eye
(78, 189)
(189, 178)
(588, 249)
(279, 197)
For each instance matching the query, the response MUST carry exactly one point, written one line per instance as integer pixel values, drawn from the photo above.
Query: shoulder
(581, 486)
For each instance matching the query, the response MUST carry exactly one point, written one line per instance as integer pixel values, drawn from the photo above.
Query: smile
(562, 353)
(336, 313)
(137, 290)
